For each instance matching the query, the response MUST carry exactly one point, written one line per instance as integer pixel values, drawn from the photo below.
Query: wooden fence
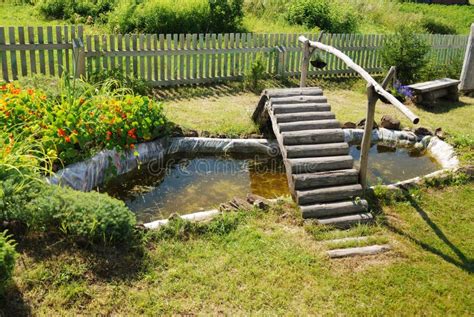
(179, 59)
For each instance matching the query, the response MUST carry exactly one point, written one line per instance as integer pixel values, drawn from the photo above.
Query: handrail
(350, 63)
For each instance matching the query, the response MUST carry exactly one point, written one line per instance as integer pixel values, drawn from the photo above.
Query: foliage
(434, 70)
(181, 16)
(322, 14)
(255, 74)
(437, 27)
(7, 259)
(119, 80)
(76, 126)
(407, 52)
(73, 9)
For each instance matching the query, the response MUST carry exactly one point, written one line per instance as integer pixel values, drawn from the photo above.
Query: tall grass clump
(322, 14)
(75, 9)
(177, 16)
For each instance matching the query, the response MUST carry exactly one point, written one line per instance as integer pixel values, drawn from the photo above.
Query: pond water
(186, 185)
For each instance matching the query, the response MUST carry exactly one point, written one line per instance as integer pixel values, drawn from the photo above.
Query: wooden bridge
(320, 171)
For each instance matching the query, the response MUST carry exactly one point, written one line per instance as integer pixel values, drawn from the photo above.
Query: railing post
(281, 57)
(79, 58)
(305, 63)
(372, 98)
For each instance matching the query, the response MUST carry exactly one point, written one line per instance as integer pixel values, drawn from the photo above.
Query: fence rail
(179, 59)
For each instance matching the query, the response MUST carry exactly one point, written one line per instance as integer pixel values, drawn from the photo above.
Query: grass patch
(266, 264)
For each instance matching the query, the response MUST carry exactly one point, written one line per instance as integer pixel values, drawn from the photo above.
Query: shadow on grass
(12, 303)
(233, 88)
(104, 262)
(443, 106)
(461, 260)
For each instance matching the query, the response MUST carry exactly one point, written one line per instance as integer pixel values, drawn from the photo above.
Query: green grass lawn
(265, 263)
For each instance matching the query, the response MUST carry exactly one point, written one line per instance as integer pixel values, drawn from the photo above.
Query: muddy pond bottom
(185, 185)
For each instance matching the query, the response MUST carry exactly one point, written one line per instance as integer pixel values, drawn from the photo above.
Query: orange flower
(43, 97)
(3, 87)
(30, 92)
(68, 140)
(132, 146)
(81, 101)
(61, 132)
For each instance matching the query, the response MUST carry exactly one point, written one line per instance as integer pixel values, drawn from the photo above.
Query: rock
(349, 125)
(361, 124)
(423, 131)
(258, 201)
(177, 131)
(191, 133)
(255, 136)
(407, 129)
(240, 204)
(226, 207)
(389, 122)
(440, 133)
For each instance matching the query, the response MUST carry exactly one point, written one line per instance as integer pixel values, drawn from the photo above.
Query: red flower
(124, 116)
(61, 132)
(3, 87)
(109, 135)
(131, 133)
(67, 139)
(30, 91)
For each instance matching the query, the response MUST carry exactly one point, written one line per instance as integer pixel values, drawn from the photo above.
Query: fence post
(79, 58)
(305, 63)
(280, 62)
(372, 98)
(467, 74)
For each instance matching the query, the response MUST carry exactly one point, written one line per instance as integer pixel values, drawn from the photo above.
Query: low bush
(7, 259)
(434, 70)
(72, 9)
(255, 74)
(322, 14)
(78, 126)
(407, 52)
(180, 16)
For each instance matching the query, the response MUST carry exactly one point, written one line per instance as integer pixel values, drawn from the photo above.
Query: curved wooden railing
(374, 92)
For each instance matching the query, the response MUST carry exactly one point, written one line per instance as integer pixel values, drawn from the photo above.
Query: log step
(325, 179)
(360, 251)
(344, 222)
(313, 136)
(298, 99)
(317, 150)
(328, 194)
(305, 116)
(320, 164)
(300, 107)
(288, 92)
(334, 209)
(309, 125)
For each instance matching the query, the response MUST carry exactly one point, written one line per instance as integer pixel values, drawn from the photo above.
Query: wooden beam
(364, 74)
(372, 98)
(305, 64)
(467, 74)
(391, 75)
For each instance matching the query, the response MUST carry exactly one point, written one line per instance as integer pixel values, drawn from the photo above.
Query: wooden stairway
(319, 169)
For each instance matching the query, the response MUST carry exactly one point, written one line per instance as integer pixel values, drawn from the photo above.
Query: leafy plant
(255, 73)
(7, 259)
(322, 14)
(434, 70)
(407, 52)
(72, 9)
(118, 80)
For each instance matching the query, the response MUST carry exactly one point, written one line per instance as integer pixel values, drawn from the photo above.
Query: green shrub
(435, 70)
(7, 259)
(94, 217)
(67, 9)
(407, 52)
(255, 73)
(437, 27)
(322, 14)
(177, 16)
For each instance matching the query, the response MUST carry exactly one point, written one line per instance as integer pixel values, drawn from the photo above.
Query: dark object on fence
(318, 62)
(426, 93)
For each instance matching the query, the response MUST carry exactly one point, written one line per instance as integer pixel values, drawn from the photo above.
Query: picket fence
(180, 59)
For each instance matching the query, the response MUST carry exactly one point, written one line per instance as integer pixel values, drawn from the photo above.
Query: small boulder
(349, 125)
(389, 122)
(258, 201)
(361, 124)
(191, 133)
(423, 131)
(440, 134)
